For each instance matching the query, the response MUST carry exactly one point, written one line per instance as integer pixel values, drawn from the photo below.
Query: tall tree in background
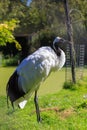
(70, 38)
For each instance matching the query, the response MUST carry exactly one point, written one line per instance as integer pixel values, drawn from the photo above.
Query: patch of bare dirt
(62, 113)
(66, 113)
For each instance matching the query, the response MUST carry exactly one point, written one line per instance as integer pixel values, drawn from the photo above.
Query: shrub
(70, 85)
(11, 61)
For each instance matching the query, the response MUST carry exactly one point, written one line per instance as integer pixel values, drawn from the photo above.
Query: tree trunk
(70, 38)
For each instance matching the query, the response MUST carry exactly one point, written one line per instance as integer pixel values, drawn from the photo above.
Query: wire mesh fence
(79, 67)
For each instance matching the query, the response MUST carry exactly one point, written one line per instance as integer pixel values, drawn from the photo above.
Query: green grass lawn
(60, 110)
(5, 73)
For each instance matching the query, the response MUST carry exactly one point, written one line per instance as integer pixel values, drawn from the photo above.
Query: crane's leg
(37, 107)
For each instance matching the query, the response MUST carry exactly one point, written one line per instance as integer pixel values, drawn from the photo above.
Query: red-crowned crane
(32, 71)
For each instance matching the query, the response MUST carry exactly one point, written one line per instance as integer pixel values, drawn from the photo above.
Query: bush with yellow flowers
(6, 33)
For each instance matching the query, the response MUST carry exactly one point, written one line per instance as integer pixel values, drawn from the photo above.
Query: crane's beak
(65, 41)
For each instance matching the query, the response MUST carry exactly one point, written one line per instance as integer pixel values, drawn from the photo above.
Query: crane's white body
(35, 68)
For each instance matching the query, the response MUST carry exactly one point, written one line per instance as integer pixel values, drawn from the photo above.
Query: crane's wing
(35, 68)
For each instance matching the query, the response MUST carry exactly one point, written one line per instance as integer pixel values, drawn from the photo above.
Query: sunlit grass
(5, 73)
(65, 110)
(53, 83)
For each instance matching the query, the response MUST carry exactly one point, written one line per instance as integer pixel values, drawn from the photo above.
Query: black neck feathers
(57, 50)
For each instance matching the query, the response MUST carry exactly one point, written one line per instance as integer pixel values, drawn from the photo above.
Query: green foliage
(6, 33)
(45, 37)
(11, 61)
(42, 15)
(79, 7)
(70, 85)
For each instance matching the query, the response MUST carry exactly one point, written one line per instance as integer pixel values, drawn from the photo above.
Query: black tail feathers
(12, 89)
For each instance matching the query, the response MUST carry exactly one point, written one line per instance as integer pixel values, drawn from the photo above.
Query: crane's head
(57, 44)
